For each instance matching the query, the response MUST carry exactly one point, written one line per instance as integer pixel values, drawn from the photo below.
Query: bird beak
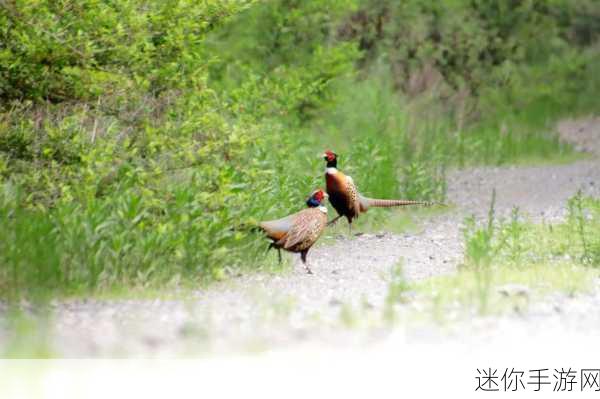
(323, 155)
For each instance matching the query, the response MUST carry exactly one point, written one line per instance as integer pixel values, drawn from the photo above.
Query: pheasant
(299, 231)
(346, 199)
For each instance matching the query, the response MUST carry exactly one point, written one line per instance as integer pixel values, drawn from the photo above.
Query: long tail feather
(383, 203)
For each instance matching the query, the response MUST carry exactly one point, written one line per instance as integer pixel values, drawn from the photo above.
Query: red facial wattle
(319, 195)
(330, 155)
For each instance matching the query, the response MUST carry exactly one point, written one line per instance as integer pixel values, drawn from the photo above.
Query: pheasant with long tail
(345, 198)
(298, 232)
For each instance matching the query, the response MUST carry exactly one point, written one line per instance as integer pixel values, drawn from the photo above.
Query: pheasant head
(316, 198)
(331, 158)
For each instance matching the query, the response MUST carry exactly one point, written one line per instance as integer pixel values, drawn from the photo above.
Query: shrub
(68, 49)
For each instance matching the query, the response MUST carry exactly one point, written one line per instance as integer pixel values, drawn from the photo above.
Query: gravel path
(351, 277)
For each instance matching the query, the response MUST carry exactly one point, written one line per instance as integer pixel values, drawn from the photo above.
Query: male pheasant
(299, 231)
(346, 199)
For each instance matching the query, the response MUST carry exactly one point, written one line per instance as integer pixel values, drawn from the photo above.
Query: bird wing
(306, 229)
(278, 228)
(353, 195)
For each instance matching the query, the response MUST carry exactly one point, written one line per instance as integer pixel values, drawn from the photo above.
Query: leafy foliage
(60, 50)
(458, 45)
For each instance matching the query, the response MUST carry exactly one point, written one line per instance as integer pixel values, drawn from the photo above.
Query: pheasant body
(298, 232)
(343, 194)
(346, 199)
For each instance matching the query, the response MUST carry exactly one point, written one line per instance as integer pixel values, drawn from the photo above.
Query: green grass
(26, 335)
(543, 258)
(463, 292)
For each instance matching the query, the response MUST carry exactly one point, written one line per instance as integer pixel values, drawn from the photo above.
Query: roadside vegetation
(135, 137)
(511, 261)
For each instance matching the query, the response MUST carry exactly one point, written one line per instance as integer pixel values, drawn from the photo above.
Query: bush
(453, 46)
(66, 50)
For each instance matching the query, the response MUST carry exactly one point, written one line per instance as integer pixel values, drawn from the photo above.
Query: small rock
(514, 290)
(335, 302)
(151, 341)
(368, 305)
(557, 309)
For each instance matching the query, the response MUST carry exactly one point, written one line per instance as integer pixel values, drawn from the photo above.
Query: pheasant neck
(312, 203)
(331, 167)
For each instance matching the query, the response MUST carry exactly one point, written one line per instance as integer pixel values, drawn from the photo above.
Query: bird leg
(332, 221)
(272, 245)
(303, 257)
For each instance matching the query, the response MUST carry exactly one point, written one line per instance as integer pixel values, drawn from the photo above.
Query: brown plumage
(298, 232)
(346, 199)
